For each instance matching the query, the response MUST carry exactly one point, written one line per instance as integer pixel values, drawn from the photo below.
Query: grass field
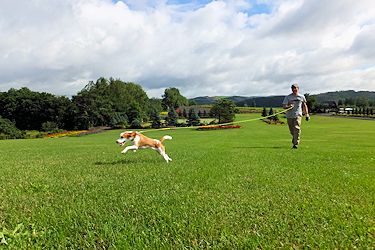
(239, 188)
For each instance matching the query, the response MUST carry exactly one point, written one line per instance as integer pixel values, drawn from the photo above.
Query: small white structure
(346, 110)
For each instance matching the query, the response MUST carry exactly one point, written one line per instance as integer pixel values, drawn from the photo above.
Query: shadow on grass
(255, 147)
(125, 162)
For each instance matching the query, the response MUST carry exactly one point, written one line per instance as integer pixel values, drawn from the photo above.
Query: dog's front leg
(133, 147)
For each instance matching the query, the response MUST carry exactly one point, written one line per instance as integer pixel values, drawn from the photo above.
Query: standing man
(297, 103)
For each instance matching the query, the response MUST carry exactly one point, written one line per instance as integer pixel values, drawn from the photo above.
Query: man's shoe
(294, 147)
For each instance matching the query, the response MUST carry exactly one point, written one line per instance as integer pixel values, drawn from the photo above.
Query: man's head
(295, 88)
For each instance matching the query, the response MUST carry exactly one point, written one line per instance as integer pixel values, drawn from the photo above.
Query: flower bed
(66, 133)
(213, 127)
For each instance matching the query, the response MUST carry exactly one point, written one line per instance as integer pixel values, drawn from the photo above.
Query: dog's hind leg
(169, 158)
(165, 156)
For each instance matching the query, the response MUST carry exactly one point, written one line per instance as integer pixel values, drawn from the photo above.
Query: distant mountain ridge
(340, 95)
(275, 101)
(212, 99)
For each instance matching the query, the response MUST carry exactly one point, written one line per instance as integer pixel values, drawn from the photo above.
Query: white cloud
(203, 49)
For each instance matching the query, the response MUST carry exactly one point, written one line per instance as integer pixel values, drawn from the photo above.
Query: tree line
(106, 102)
(360, 103)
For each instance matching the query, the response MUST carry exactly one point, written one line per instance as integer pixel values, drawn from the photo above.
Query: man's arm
(286, 103)
(305, 109)
(286, 106)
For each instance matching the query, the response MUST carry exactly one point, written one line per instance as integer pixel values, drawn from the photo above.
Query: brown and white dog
(140, 141)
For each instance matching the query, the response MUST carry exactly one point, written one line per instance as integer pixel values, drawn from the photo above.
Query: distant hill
(241, 101)
(268, 101)
(341, 95)
(275, 101)
(211, 99)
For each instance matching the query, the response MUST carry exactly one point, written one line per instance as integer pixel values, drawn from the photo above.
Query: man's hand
(288, 106)
(307, 117)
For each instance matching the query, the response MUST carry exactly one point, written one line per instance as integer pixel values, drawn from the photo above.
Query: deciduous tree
(224, 110)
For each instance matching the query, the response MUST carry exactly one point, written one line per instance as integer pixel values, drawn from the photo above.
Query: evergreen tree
(172, 118)
(135, 124)
(264, 112)
(155, 119)
(193, 119)
(119, 120)
(184, 114)
(134, 112)
(271, 112)
(274, 118)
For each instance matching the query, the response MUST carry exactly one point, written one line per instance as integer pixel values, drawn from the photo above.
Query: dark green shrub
(135, 124)
(50, 127)
(8, 130)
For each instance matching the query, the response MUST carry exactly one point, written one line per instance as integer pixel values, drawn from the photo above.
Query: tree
(51, 127)
(184, 113)
(310, 101)
(28, 110)
(172, 118)
(193, 119)
(124, 95)
(264, 112)
(191, 102)
(8, 130)
(224, 110)
(155, 104)
(93, 104)
(271, 112)
(135, 124)
(362, 102)
(98, 102)
(119, 120)
(134, 112)
(172, 99)
(155, 119)
(349, 101)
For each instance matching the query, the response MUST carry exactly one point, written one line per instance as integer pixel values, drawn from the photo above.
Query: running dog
(140, 141)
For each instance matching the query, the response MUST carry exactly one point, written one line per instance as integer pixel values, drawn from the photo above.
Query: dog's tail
(166, 137)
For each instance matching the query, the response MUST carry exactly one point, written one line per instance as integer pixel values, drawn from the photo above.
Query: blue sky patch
(256, 8)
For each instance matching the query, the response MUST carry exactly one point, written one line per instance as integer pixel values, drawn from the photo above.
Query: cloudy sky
(202, 47)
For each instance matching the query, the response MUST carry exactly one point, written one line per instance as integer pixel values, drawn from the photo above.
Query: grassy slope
(231, 188)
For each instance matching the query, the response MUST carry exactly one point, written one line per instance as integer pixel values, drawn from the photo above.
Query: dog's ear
(134, 134)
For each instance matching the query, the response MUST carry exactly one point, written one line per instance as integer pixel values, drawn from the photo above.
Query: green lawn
(238, 188)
